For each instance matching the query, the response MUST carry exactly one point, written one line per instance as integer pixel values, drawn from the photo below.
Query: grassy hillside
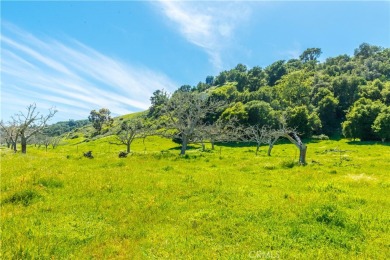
(226, 203)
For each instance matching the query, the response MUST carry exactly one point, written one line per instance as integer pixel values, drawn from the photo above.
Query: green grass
(226, 203)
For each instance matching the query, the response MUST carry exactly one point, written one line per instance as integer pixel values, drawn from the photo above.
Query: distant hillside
(60, 128)
(344, 95)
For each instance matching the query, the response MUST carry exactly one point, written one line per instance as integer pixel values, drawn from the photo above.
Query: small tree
(10, 134)
(131, 130)
(184, 114)
(262, 135)
(294, 138)
(55, 141)
(4, 139)
(45, 140)
(30, 123)
(100, 118)
(270, 136)
(219, 131)
(256, 134)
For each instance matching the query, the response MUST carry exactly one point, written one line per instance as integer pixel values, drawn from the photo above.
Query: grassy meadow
(227, 203)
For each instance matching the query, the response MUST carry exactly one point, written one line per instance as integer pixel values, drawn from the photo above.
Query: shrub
(330, 215)
(88, 155)
(50, 183)
(287, 164)
(320, 137)
(122, 154)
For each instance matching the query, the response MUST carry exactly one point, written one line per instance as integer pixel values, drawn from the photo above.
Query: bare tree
(45, 140)
(132, 129)
(273, 135)
(4, 138)
(31, 123)
(10, 133)
(266, 135)
(219, 131)
(55, 141)
(294, 138)
(184, 113)
(258, 134)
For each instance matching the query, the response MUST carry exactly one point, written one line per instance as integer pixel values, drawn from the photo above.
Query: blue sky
(82, 55)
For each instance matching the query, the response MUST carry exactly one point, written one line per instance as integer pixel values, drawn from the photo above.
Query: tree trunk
(271, 143)
(270, 149)
(212, 145)
(300, 145)
(14, 147)
(184, 145)
(302, 154)
(24, 144)
(128, 147)
(203, 147)
(257, 148)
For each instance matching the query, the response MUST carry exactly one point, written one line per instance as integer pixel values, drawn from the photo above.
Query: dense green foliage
(100, 118)
(343, 94)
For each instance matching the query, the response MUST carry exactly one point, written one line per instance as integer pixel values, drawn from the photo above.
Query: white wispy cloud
(209, 25)
(71, 76)
(295, 49)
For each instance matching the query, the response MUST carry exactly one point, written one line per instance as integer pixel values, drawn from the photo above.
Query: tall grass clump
(24, 197)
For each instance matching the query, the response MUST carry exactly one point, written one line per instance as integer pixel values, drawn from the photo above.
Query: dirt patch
(360, 177)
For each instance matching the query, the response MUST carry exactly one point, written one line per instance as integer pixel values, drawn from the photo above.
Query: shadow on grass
(178, 148)
(236, 144)
(368, 143)
(253, 144)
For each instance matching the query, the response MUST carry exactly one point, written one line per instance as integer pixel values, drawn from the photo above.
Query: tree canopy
(341, 95)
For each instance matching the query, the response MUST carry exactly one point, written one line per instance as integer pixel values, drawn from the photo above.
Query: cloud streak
(71, 76)
(208, 25)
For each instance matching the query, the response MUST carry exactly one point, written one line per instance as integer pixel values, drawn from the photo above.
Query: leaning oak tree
(184, 114)
(31, 123)
(294, 138)
(273, 135)
(264, 134)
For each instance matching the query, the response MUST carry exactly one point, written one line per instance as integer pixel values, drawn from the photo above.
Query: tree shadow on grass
(178, 148)
(252, 144)
(368, 143)
(235, 144)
